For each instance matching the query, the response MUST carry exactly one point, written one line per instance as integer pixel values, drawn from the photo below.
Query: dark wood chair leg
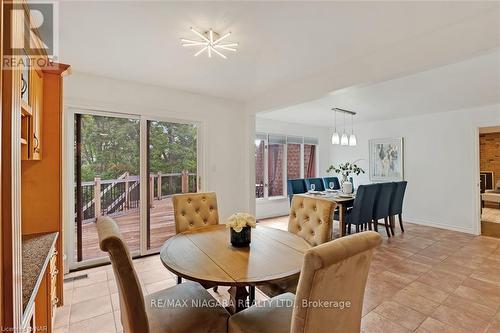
(251, 295)
(386, 223)
(179, 280)
(401, 222)
(215, 288)
(375, 225)
(391, 224)
(357, 228)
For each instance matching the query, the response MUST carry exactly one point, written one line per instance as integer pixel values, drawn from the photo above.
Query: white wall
(280, 207)
(225, 128)
(440, 164)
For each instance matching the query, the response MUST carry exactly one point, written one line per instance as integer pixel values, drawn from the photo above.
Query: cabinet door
(37, 109)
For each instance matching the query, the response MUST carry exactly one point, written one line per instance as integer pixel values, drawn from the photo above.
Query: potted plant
(346, 169)
(241, 225)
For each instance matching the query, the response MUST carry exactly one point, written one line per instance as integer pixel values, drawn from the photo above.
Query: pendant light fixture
(343, 140)
(335, 135)
(352, 137)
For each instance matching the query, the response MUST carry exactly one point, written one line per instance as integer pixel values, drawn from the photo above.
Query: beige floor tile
(416, 302)
(472, 294)
(115, 301)
(99, 324)
(426, 291)
(375, 323)
(88, 292)
(431, 325)
(91, 308)
(442, 280)
(160, 285)
(118, 321)
(62, 316)
(475, 309)
(155, 275)
(400, 314)
(93, 277)
(459, 319)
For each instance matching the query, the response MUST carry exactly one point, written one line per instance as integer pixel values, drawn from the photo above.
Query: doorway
(128, 167)
(489, 156)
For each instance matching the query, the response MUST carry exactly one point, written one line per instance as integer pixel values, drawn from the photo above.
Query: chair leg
(391, 224)
(401, 222)
(215, 288)
(386, 223)
(179, 280)
(251, 295)
(349, 230)
(375, 225)
(357, 228)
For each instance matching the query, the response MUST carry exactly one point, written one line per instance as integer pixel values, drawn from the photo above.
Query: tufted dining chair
(157, 312)
(332, 275)
(195, 210)
(310, 219)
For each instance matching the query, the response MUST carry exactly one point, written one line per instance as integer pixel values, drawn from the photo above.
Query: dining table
(205, 255)
(343, 201)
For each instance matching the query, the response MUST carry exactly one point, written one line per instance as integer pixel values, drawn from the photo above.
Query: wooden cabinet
(32, 115)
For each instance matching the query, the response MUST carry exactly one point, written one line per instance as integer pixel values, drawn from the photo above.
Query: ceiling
(280, 42)
(467, 84)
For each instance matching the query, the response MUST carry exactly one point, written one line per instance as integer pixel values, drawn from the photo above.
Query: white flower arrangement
(240, 220)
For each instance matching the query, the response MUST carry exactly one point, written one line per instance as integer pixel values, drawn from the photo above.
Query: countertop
(37, 251)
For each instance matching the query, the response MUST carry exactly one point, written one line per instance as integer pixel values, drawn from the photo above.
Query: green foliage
(110, 147)
(345, 169)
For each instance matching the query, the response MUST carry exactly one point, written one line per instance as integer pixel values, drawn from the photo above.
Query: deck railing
(117, 196)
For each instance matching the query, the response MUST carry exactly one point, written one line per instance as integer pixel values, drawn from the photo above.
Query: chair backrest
(192, 210)
(311, 219)
(334, 180)
(362, 209)
(396, 206)
(296, 186)
(334, 272)
(133, 311)
(352, 182)
(383, 200)
(318, 182)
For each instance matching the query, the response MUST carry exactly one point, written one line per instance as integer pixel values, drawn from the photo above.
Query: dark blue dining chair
(396, 207)
(295, 186)
(334, 180)
(318, 183)
(361, 212)
(382, 205)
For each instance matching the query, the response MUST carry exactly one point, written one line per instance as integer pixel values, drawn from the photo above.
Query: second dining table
(206, 255)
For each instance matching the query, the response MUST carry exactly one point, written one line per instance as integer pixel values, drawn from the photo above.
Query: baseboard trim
(439, 225)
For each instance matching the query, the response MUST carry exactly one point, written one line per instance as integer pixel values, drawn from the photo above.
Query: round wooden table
(205, 255)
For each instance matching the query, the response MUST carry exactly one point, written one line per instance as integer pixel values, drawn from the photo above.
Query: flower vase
(346, 185)
(242, 238)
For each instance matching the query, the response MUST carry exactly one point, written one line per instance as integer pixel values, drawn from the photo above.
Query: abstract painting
(386, 159)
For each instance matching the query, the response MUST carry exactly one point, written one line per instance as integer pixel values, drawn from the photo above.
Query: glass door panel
(172, 164)
(107, 161)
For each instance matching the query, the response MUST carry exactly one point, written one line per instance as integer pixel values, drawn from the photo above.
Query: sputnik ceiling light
(344, 140)
(211, 42)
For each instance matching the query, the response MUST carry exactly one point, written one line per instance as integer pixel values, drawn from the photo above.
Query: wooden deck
(162, 227)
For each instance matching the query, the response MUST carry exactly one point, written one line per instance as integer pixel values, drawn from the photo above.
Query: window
(278, 158)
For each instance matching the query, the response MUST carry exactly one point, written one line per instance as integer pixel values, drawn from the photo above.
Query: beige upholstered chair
(160, 311)
(311, 219)
(329, 296)
(193, 210)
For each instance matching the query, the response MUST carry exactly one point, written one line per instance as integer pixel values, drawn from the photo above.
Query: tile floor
(425, 280)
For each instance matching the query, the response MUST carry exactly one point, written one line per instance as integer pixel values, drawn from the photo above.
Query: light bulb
(335, 138)
(352, 140)
(344, 141)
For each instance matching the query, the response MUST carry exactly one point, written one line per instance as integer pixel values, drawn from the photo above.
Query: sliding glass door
(172, 163)
(128, 168)
(107, 181)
